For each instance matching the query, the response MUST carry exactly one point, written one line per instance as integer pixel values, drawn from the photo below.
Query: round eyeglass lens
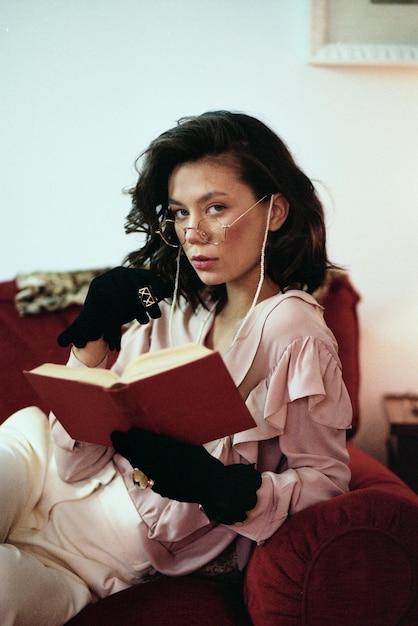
(211, 230)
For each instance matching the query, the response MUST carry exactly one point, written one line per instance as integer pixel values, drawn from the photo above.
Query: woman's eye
(215, 209)
(179, 214)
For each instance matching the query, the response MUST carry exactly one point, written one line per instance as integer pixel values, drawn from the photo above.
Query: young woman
(234, 247)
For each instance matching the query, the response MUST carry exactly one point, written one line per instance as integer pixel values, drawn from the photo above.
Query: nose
(192, 235)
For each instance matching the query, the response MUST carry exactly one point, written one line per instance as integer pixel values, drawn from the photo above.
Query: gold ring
(141, 480)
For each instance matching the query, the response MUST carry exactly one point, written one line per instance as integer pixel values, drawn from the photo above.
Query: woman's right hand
(116, 298)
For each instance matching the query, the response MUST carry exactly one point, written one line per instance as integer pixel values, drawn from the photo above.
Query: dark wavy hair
(295, 254)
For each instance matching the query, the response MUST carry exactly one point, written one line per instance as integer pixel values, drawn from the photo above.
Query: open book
(184, 392)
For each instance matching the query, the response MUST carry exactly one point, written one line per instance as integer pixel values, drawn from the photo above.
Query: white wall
(85, 85)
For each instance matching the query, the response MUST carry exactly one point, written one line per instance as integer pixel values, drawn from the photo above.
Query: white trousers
(31, 593)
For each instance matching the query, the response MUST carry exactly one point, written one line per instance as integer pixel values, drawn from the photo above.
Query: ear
(279, 212)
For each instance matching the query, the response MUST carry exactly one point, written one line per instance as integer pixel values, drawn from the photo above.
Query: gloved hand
(188, 473)
(113, 299)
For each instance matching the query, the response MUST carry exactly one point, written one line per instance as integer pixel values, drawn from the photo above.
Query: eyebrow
(204, 198)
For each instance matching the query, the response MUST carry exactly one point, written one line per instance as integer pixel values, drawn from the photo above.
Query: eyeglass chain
(211, 310)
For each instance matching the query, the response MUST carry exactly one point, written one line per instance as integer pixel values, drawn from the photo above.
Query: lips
(201, 262)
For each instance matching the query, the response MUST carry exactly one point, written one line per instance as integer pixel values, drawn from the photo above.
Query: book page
(143, 366)
(162, 360)
(94, 376)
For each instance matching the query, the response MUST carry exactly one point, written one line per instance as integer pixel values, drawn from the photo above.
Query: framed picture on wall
(364, 32)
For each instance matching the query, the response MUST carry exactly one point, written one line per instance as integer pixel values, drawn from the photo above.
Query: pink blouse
(285, 363)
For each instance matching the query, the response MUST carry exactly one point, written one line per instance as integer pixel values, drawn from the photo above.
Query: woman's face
(201, 189)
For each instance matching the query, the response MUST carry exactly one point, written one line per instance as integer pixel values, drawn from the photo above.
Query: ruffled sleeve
(308, 369)
(302, 409)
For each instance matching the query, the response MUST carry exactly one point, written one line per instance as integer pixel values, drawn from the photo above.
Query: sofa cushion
(184, 601)
(26, 342)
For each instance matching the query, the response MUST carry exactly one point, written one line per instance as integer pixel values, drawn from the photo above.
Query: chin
(210, 280)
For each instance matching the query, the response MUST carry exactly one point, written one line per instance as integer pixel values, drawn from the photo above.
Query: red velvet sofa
(350, 561)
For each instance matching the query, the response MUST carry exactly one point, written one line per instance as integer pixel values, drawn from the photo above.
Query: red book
(184, 392)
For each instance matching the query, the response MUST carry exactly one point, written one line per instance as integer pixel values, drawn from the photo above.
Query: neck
(239, 300)
(228, 323)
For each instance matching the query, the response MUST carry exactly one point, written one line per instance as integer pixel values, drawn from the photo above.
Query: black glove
(113, 299)
(188, 473)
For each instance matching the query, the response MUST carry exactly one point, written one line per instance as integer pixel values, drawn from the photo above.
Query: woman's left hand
(188, 473)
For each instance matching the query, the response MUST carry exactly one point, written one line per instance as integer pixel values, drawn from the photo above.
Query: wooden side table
(402, 413)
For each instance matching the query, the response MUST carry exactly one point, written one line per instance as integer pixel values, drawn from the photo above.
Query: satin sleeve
(303, 409)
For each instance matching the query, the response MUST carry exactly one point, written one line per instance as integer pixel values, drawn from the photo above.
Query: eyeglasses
(209, 228)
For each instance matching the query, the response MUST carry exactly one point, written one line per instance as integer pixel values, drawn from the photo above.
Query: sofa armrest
(335, 562)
